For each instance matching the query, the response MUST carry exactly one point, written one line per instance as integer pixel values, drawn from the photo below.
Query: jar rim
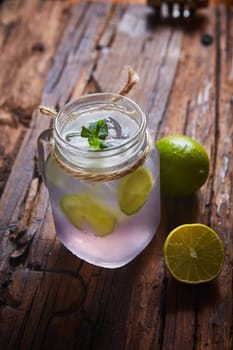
(102, 95)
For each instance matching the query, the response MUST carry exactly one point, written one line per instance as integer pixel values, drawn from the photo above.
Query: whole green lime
(184, 165)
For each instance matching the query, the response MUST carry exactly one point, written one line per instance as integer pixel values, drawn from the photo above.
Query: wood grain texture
(27, 52)
(51, 299)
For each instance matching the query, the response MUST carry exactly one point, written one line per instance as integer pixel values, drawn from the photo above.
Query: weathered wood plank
(204, 311)
(192, 101)
(27, 52)
(215, 322)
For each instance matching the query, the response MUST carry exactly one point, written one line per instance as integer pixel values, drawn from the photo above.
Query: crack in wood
(80, 57)
(25, 319)
(159, 92)
(29, 203)
(161, 69)
(216, 104)
(100, 40)
(163, 310)
(186, 121)
(8, 28)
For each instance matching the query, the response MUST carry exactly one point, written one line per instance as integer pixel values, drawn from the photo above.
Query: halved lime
(134, 190)
(194, 253)
(81, 208)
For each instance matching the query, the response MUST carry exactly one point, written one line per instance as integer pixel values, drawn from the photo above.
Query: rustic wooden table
(52, 52)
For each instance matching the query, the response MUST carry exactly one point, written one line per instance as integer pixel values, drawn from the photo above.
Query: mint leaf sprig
(96, 133)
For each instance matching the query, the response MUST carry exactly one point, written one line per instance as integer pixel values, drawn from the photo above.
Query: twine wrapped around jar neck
(106, 176)
(112, 175)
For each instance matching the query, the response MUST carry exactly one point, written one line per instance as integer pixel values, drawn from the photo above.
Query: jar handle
(44, 148)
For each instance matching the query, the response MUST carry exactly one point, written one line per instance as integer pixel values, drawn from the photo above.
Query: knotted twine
(132, 80)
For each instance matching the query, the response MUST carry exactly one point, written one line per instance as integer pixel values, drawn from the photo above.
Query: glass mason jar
(105, 203)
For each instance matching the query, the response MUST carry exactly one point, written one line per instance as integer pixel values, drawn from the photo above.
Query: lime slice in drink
(81, 209)
(193, 253)
(134, 190)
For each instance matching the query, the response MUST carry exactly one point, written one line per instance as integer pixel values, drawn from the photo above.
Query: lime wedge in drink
(134, 190)
(193, 253)
(81, 209)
